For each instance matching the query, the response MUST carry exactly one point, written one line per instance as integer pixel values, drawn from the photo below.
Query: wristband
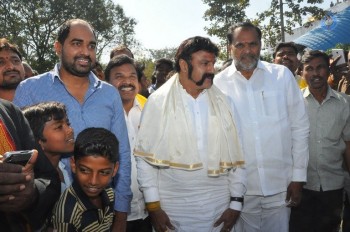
(239, 199)
(153, 206)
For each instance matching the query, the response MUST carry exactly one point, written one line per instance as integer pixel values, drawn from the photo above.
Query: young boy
(53, 133)
(87, 205)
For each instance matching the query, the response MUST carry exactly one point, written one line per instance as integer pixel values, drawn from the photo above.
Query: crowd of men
(256, 146)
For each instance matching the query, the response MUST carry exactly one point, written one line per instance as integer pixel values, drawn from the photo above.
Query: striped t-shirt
(74, 211)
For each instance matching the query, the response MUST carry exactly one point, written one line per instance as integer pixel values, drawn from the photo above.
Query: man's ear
(183, 65)
(299, 71)
(229, 49)
(58, 48)
(72, 164)
(41, 143)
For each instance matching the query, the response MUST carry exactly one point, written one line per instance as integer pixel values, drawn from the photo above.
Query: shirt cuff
(236, 205)
(299, 175)
(151, 194)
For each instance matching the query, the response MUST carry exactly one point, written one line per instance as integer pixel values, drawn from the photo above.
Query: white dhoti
(186, 197)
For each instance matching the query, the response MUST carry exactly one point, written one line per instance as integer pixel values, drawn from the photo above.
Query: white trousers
(264, 214)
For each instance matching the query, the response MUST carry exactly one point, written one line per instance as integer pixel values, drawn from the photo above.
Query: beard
(75, 69)
(11, 81)
(249, 65)
(9, 86)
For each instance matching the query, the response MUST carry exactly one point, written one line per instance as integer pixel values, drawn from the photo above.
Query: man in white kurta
(275, 129)
(122, 74)
(189, 155)
(138, 213)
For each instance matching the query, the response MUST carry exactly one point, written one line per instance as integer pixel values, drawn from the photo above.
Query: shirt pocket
(272, 104)
(331, 124)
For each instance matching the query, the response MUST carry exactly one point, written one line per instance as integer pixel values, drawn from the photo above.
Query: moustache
(83, 57)
(316, 77)
(126, 86)
(205, 76)
(250, 56)
(286, 59)
(9, 72)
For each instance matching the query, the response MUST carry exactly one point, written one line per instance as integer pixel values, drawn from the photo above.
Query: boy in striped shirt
(87, 205)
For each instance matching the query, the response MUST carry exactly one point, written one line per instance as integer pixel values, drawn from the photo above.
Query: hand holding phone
(18, 157)
(17, 189)
(339, 52)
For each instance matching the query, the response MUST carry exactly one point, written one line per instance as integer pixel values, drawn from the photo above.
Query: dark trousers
(346, 214)
(139, 225)
(317, 212)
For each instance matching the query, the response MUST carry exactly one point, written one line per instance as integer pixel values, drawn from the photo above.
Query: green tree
(294, 12)
(149, 67)
(222, 14)
(151, 55)
(32, 25)
(168, 53)
(125, 33)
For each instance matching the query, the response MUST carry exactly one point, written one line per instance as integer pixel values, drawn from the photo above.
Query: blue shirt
(102, 107)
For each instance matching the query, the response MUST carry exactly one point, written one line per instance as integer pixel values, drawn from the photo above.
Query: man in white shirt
(275, 128)
(122, 74)
(189, 155)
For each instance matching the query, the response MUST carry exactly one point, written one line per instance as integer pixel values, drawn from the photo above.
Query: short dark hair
(192, 45)
(117, 61)
(96, 142)
(243, 25)
(165, 61)
(285, 45)
(64, 29)
(6, 45)
(312, 54)
(140, 68)
(98, 65)
(120, 49)
(38, 114)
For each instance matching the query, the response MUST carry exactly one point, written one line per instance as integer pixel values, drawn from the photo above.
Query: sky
(166, 23)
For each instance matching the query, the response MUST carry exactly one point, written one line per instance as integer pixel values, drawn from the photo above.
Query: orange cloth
(6, 141)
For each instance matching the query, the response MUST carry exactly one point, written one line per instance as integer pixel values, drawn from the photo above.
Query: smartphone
(339, 52)
(18, 157)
